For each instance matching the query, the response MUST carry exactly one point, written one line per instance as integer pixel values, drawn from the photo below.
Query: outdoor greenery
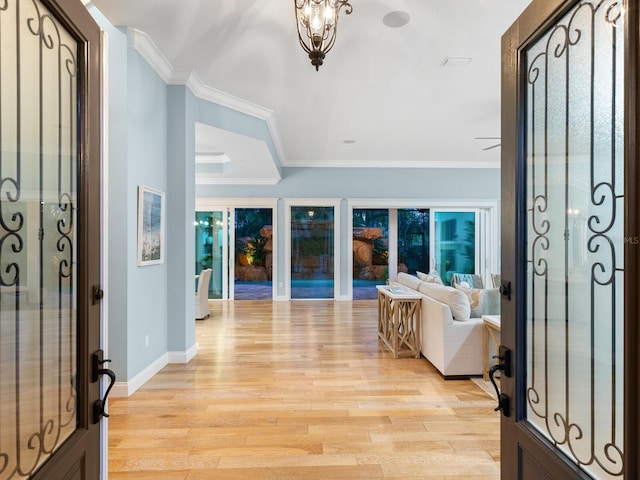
(313, 246)
(413, 239)
(249, 221)
(254, 249)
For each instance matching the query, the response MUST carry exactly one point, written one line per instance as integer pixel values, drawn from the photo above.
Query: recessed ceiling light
(396, 19)
(456, 61)
(349, 141)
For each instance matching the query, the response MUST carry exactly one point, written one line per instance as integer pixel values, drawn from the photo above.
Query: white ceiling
(384, 88)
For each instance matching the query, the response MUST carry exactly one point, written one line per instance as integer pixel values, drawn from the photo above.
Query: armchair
(202, 295)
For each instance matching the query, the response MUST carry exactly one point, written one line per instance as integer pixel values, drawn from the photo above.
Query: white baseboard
(126, 389)
(183, 357)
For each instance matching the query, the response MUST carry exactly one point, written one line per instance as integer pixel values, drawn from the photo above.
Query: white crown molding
(400, 164)
(149, 51)
(205, 179)
(205, 92)
(210, 94)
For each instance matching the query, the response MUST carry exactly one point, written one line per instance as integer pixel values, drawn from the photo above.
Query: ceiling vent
(456, 61)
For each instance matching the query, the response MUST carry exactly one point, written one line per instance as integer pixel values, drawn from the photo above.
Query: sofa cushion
(408, 280)
(456, 300)
(432, 277)
(482, 301)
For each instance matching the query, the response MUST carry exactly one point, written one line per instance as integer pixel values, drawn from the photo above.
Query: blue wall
(146, 165)
(147, 314)
(400, 183)
(180, 139)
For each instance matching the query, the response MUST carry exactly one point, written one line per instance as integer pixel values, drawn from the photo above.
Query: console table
(399, 320)
(490, 331)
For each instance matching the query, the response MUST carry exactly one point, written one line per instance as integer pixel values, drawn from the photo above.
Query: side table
(490, 331)
(399, 320)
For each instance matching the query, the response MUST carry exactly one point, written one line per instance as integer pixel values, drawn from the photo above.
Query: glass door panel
(575, 237)
(370, 237)
(312, 252)
(41, 390)
(455, 246)
(413, 240)
(253, 254)
(210, 250)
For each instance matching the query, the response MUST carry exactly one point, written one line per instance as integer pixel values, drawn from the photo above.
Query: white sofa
(453, 346)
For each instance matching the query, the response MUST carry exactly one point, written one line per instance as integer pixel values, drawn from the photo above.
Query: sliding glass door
(370, 245)
(211, 249)
(312, 241)
(455, 247)
(253, 257)
(413, 240)
(237, 243)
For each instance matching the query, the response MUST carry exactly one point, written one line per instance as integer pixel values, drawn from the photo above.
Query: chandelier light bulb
(315, 22)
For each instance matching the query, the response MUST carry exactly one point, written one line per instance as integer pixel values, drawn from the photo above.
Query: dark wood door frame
(632, 241)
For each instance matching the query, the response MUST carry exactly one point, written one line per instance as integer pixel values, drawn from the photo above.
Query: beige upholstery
(454, 347)
(202, 295)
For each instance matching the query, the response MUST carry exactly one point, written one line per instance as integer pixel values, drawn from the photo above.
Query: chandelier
(317, 24)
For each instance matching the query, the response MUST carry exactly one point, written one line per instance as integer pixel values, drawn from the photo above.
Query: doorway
(313, 253)
(237, 240)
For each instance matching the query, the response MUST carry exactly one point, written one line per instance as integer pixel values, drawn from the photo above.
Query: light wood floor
(301, 390)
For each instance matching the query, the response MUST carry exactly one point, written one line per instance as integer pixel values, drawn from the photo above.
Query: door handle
(503, 400)
(503, 365)
(97, 371)
(505, 290)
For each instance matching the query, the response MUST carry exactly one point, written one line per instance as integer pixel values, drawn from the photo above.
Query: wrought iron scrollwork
(42, 400)
(564, 243)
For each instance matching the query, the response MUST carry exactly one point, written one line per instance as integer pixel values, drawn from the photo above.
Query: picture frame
(151, 226)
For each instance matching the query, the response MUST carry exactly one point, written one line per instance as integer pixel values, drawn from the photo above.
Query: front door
(49, 239)
(568, 199)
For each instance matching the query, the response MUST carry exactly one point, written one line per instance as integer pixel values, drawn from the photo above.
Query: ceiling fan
(489, 138)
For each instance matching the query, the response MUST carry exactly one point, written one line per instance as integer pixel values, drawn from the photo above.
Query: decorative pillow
(457, 300)
(475, 281)
(482, 301)
(432, 277)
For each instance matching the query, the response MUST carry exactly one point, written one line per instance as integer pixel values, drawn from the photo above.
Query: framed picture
(150, 226)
